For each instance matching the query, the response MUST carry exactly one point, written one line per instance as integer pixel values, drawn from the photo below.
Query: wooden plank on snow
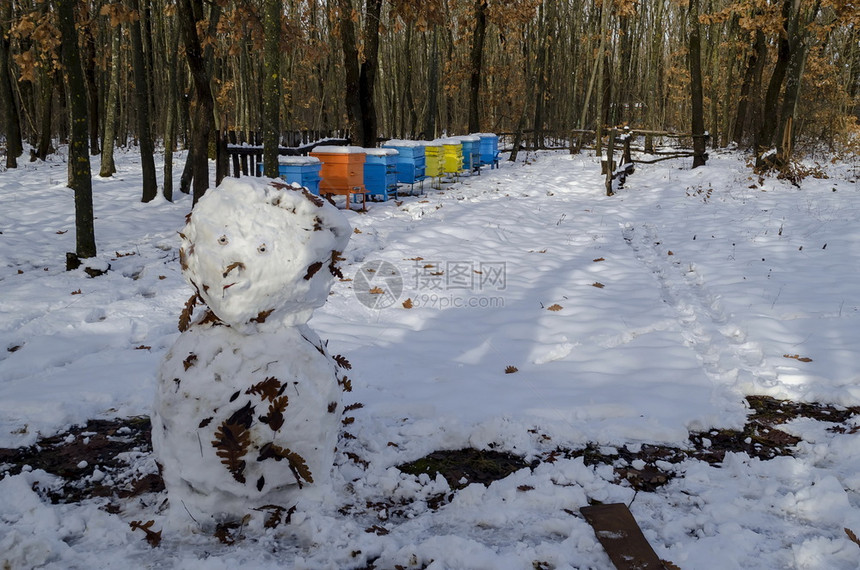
(621, 537)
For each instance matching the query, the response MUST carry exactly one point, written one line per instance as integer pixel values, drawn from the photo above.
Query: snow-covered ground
(629, 319)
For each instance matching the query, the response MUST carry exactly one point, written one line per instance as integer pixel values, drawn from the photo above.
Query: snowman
(248, 404)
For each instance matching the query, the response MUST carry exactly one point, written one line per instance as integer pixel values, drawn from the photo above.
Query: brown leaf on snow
(554, 307)
(598, 284)
(797, 357)
(376, 291)
(511, 369)
(598, 259)
(407, 304)
(189, 361)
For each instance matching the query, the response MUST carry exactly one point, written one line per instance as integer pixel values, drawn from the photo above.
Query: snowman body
(248, 404)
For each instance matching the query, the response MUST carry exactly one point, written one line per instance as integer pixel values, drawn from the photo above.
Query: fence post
(610, 166)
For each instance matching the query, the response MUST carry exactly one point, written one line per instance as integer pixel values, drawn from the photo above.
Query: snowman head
(258, 251)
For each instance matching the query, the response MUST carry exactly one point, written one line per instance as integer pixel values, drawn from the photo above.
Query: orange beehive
(342, 171)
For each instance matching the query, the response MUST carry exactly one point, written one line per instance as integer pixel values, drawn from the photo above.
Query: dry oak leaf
(598, 284)
(797, 357)
(511, 369)
(598, 259)
(407, 304)
(554, 307)
(376, 291)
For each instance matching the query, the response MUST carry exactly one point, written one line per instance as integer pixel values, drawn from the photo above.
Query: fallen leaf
(407, 304)
(598, 259)
(797, 357)
(555, 307)
(511, 369)
(671, 252)
(598, 285)
(78, 292)
(356, 231)
(376, 291)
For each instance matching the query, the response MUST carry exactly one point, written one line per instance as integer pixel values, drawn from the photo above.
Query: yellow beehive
(433, 159)
(452, 156)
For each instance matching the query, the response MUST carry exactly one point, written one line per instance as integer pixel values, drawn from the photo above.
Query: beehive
(380, 172)
(471, 151)
(433, 158)
(342, 171)
(489, 149)
(304, 170)
(410, 160)
(452, 156)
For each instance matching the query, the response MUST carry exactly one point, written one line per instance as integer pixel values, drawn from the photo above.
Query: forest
(175, 74)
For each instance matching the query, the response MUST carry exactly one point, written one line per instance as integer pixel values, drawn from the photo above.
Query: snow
(298, 160)
(404, 143)
(381, 151)
(678, 296)
(326, 149)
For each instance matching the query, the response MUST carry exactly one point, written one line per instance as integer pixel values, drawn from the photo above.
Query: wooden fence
(241, 154)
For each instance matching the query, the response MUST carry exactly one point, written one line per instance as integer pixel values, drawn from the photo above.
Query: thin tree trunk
(368, 73)
(189, 12)
(767, 128)
(432, 87)
(141, 97)
(739, 132)
(80, 179)
(170, 112)
(46, 101)
(92, 88)
(272, 11)
(476, 57)
(351, 69)
(796, 66)
(107, 165)
(696, 95)
(11, 120)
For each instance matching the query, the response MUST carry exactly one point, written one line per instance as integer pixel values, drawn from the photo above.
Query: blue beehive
(304, 170)
(489, 149)
(380, 172)
(410, 160)
(471, 151)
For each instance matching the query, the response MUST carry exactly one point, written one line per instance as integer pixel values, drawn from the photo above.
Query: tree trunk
(92, 88)
(141, 99)
(46, 103)
(189, 12)
(796, 66)
(476, 57)
(351, 69)
(432, 88)
(696, 96)
(11, 121)
(367, 77)
(408, 96)
(80, 179)
(272, 11)
(767, 128)
(107, 165)
(739, 132)
(170, 112)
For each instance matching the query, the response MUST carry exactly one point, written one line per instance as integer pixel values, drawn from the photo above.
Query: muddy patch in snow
(113, 458)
